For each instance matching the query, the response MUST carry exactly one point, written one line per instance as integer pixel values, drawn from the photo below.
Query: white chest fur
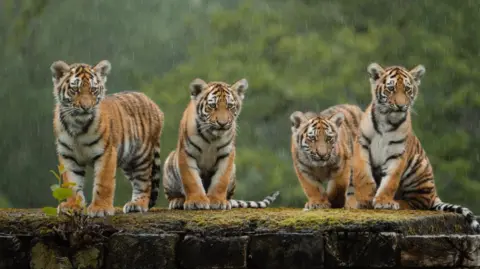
(82, 147)
(384, 144)
(210, 152)
(382, 148)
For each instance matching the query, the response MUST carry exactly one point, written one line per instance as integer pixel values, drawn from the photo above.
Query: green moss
(45, 257)
(273, 218)
(158, 220)
(87, 258)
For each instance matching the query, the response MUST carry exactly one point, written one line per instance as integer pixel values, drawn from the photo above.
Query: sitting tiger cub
(200, 173)
(322, 148)
(106, 132)
(396, 172)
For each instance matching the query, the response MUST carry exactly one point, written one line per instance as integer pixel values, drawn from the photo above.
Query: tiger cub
(200, 173)
(106, 132)
(323, 150)
(398, 174)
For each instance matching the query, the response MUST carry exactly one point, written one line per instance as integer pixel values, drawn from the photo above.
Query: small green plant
(60, 191)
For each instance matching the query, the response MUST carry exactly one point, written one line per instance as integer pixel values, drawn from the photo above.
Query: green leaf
(49, 211)
(54, 187)
(62, 193)
(56, 175)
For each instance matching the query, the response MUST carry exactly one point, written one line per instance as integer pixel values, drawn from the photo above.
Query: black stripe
(156, 155)
(79, 172)
(418, 182)
(63, 144)
(374, 119)
(190, 155)
(221, 157)
(89, 123)
(95, 141)
(395, 126)
(225, 145)
(366, 138)
(142, 158)
(419, 191)
(64, 123)
(414, 168)
(139, 155)
(400, 141)
(95, 159)
(416, 203)
(393, 157)
(189, 141)
(302, 163)
(200, 133)
(70, 158)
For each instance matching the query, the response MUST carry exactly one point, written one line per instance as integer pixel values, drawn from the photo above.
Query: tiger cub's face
(218, 104)
(79, 88)
(316, 137)
(394, 89)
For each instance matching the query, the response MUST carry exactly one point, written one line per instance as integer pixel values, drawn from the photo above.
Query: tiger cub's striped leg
(196, 198)
(104, 184)
(362, 179)
(139, 174)
(74, 173)
(337, 187)
(172, 182)
(384, 198)
(217, 192)
(316, 195)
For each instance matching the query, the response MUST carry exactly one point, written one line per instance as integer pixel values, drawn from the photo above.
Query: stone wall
(31, 240)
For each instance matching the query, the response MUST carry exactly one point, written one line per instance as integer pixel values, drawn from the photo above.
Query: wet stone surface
(14, 251)
(454, 251)
(358, 249)
(148, 251)
(286, 250)
(243, 239)
(196, 252)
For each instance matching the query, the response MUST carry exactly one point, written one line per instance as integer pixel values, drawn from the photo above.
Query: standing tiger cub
(323, 150)
(200, 173)
(106, 132)
(398, 172)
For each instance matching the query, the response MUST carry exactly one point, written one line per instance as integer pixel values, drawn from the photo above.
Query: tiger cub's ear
(240, 87)
(417, 72)
(375, 71)
(103, 68)
(58, 68)
(337, 119)
(297, 118)
(196, 87)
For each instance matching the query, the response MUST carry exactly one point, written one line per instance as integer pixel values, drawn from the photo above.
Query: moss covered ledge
(239, 238)
(245, 221)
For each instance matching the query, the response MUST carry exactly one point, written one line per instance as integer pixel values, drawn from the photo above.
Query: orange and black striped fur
(200, 173)
(398, 172)
(323, 150)
(106, 132)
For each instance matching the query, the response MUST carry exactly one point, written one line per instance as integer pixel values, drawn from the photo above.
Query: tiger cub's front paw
(196, 202)
(221, 204)
(176, 203)
(136, 206)
(317, 204)
(385, 204)
(94, 210)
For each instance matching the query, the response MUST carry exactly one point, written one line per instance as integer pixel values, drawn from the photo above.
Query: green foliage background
(296, 55)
